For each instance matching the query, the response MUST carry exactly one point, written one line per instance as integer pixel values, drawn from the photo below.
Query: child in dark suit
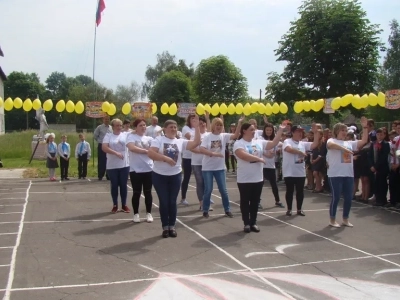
(378, 158)
(82, 154)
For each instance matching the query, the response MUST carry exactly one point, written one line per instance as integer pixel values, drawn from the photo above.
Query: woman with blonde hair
(213, 164)
(340, 171)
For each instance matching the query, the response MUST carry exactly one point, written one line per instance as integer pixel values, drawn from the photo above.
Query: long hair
(190, 116)
(244, 127)
(264, 135)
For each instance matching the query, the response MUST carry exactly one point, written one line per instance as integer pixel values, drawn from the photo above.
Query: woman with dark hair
(249, 153)
(229, 151)
(269, 170)
(141, 167)
(167, 170)
(318, 162)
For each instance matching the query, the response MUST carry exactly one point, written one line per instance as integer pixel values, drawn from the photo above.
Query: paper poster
(327, 106)
(141, 110)
(392, 100)
(93, 110)
(185, 109)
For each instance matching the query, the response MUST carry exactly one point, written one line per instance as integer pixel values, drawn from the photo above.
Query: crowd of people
(331, 161)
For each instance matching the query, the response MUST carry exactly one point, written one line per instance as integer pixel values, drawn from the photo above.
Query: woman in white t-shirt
(117, 167)
(213, 164)
(249, 153)
(293, 167)
(141, 168)
(166, 151)
(269, 165)
(340, 170)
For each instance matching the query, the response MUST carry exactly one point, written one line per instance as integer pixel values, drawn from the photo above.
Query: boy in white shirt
(64, 151)
(82, 154)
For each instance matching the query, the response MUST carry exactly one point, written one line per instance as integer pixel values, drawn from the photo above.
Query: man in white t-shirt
(153, 130)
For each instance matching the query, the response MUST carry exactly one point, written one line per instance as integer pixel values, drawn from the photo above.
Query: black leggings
(233, 161)
(270, 175)
(187, 172)
(249, 195)
(291, 183)
(139, 180)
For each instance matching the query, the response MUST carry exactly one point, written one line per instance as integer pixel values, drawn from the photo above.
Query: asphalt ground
(58, 240)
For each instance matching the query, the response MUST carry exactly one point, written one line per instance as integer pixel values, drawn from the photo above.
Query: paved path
(11, 173)
(59, 241)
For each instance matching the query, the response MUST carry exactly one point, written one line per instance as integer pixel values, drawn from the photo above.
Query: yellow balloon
(105, 106)
(239, 108)
(36, 104)
(306, 105)
(275, 108)
(164, 108)
(298, 107)
(60, 106)
(268, 109)
(320, 103)
(173, 109)
(79, 107)
(207, 107)
(8, 104)
(126, 108)
(18, 103)
(27, 106)
(356, 102)
(261, 108)
(335, 104)
(70, 106)
(312, 105)
(48, 105)
(112, 110)
(283, 108)
(381, 99)
(372, 99)
(1, 102)
(254, 107)
(200, 109)
(231, 109)
(364, 101)
(223, 109)
(247, 109)
(346, 100)
(215, 109)
(153, 108)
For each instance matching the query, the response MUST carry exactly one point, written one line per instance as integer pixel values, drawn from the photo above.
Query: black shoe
(279, 204)
(100, 178)
(206, 215)
(246, 229)
(80, 178)
(301, 213)
(172, 233)
(260, 206)
(254, 228)
(66, 178)
(289, 213)
(62, 179)
(165, 233)
(228, 214)
(83, 177)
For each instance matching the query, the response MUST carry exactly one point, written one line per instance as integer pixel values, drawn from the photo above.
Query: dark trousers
(233, 161)
(270, 175)
(64, 165)
(291, 184)
(394, 187)
(187, 172)
(250, 193)
(381, 187)
(139, 181)
(167, 189)
(82, 165)
(101, 162)
(118, 180)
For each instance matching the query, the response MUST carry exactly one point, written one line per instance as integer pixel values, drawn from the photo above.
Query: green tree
(128, 93)
(58, 84)
(217, 79)
(331, 50)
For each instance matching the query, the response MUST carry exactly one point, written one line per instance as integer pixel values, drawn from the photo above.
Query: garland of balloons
(216, 109)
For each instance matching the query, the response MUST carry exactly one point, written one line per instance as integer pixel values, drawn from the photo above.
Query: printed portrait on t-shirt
(117, 144)
(299, 159)
(346, 157)
(216, 146)
(143, 145)
(254, 149)
(171, 150)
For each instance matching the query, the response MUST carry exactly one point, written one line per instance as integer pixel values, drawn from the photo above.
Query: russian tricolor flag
(100, 8)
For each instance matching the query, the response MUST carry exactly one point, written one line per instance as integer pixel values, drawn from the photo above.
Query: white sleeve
(354, 145)
(59, 150)
(226, 137)
(204, 142)
(285, 144)
(307, 146)
(89, 151)
(238, 145)
(156, 143)
(106, 139)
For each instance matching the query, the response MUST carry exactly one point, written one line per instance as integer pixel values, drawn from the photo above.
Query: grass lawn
(15, 152)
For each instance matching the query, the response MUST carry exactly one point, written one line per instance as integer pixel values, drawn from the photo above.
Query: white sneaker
(372, 198)
(211, 201)
(184, 202)
(149, 218)
(136, 218)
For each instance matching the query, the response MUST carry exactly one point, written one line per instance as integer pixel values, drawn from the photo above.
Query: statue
(43, 122)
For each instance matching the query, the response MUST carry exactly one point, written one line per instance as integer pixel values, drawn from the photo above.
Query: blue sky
(43, 36)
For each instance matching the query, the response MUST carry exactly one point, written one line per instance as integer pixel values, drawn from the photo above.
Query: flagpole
(94, 69)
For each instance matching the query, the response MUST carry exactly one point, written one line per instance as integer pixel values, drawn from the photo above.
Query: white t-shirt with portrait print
(172, 148)
(197, 158)
(270, 162)
(139, 163)
(215, 143)
(341, 162)
(293, 164)
(118, 144)
(186, 129)
(250, 172)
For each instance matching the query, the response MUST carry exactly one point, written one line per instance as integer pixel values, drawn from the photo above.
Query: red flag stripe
(100, 8)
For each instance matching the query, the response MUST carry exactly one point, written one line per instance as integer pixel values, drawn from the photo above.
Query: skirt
(51, 164)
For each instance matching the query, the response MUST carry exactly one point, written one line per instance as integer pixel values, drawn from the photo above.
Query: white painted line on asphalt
(9, 233)
(11, 273)
(11, 189)
(9, 247)
(384, 271)
(1, 205)
(12, 198)
(10, 213)
(4, 266)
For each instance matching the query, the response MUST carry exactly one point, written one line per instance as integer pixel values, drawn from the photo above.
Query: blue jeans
(198, 175)
(339, 186)
(167, 188)
(208, 187)
(119, 179)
